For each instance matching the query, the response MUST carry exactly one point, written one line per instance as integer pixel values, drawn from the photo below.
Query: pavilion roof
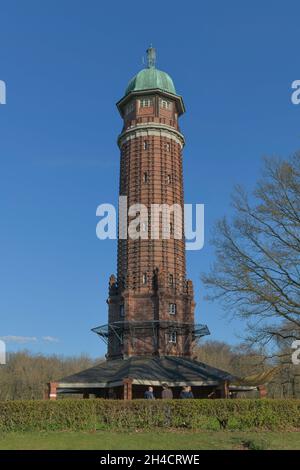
(175, 371)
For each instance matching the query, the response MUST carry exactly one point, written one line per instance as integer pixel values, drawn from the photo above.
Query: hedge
(92, 414)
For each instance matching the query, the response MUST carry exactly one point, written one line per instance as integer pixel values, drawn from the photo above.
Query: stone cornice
(151, 127)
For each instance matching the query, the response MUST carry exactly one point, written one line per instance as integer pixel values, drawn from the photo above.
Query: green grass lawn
(164, 440)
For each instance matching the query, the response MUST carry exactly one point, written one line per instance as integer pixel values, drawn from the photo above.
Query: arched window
(165, 104)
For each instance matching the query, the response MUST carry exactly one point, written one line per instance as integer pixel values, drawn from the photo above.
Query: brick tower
(151, 330)
(151, 303)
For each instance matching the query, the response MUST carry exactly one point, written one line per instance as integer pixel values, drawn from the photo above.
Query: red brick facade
(151, 276)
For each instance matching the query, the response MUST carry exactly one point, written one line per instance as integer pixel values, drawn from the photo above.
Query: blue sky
(65, 64)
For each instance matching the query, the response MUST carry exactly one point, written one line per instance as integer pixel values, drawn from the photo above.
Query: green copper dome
(151, 78)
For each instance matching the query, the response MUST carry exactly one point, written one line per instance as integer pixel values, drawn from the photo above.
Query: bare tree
(243, 360)
(256, 274)
(240, 360)
(25, 376)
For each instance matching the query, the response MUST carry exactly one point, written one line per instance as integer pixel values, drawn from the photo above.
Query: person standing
(167, 393)
(149, 395)
(186, 392)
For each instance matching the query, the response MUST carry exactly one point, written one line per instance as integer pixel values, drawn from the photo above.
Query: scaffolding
(138, 329)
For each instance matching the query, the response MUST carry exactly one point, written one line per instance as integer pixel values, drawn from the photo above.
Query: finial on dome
(151, 57)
